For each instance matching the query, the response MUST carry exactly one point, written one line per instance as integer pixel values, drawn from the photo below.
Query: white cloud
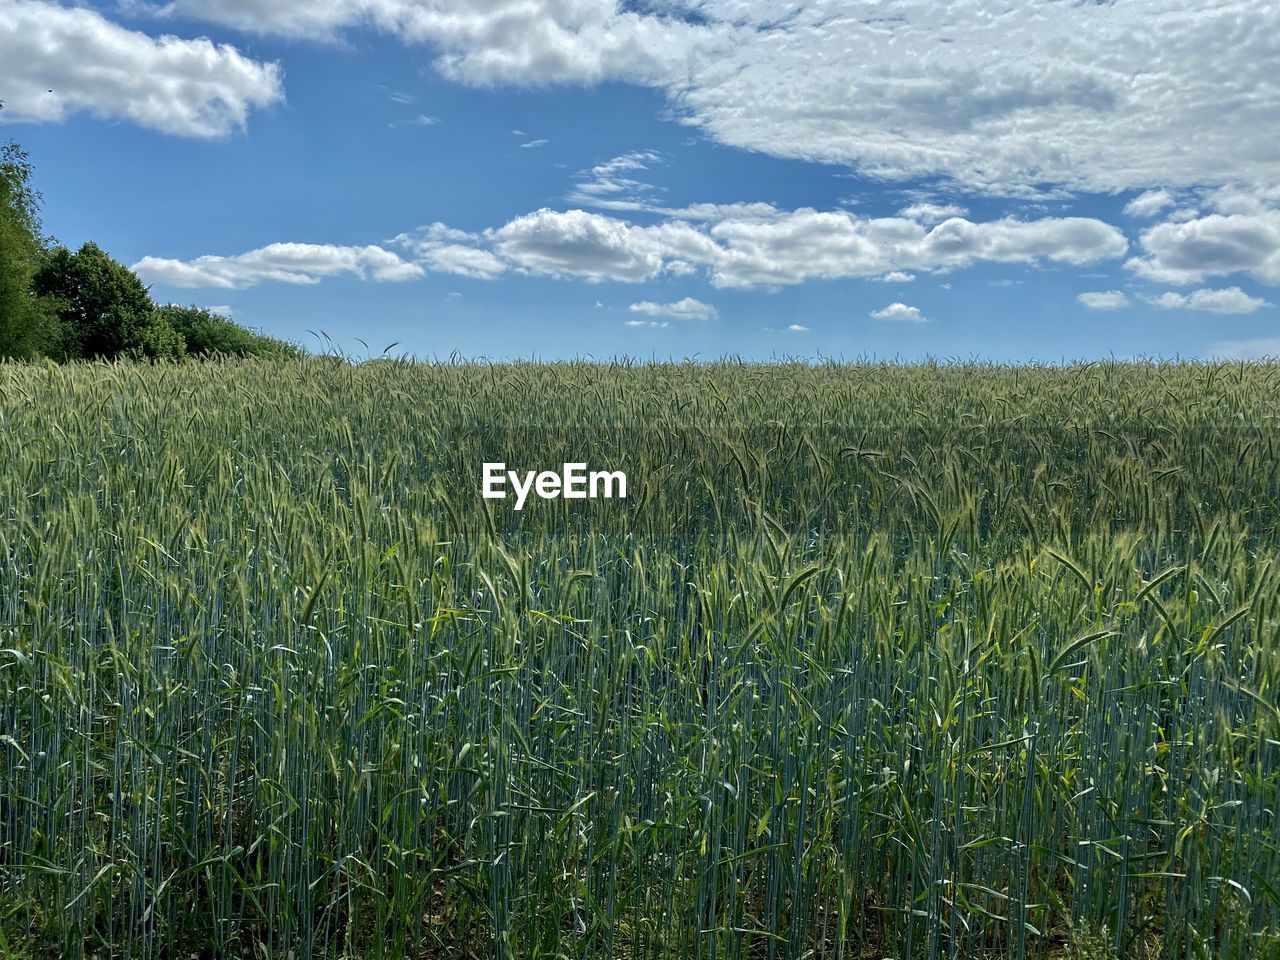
(1258, 349)
(686, 309)
(461, 260)
(534, 144)
(897, 276)
(1093, 96)
(221, 311)
(577, 243)
(932, 212)
(734, 246)
(899, 313)
(444, 249)
(311, 19)
(1214, 245)
(764, 246)
(1236, 199)
(797, 328)
(713, 212)
(56, 61)
(1149, 203)
(996, 96)
(1231, 300)
(660, 324)
(495, 41)
(807, 244)
(302, 263)
(607, 177)
(436, 232)
(1108, 300)
(609, 185)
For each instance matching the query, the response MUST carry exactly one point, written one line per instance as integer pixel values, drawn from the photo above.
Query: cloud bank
(997, 97)
(737, 246)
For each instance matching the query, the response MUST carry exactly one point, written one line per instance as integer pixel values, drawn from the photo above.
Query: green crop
(874, 661)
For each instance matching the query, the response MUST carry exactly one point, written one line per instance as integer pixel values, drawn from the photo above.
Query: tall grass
(876, 661)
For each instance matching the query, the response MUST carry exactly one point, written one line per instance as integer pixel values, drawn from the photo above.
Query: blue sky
(568, 178)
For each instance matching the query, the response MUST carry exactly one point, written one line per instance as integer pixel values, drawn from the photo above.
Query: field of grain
(874, 661)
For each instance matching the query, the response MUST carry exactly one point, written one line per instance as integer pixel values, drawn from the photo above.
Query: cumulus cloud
(735, 246)
(999, 97)
(56, 61)
(461, 260)
(294, 18)
(1236, 199)
(897, 276)
(301, 263)
(686, 309)
(805, 244)
(771, 247)
(497, 41)
(579, 244)
(1149, 203)
(1104, 300)
(444, 249)
(932, 212)
(1214, 245)
(1231, 300)
(899, 313)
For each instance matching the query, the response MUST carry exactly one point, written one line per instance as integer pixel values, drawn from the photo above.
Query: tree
(105, 311)
(28, 324)
(207, 334)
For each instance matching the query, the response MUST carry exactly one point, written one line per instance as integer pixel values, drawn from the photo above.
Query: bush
(207, 334)
(160, 341)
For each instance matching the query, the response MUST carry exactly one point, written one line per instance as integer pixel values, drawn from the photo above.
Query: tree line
(84, 305)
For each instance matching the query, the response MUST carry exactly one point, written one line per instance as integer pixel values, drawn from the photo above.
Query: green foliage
(206, 334)
(929, 662)
(28, 324)
(105, 310)
(160, 341)
(21, 196)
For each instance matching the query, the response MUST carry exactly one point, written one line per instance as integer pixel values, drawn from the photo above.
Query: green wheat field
(874, 661)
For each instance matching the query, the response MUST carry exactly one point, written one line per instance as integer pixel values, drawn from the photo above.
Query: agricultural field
(937, 661)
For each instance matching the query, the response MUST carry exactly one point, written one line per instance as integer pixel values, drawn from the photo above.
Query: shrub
(207, 334)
